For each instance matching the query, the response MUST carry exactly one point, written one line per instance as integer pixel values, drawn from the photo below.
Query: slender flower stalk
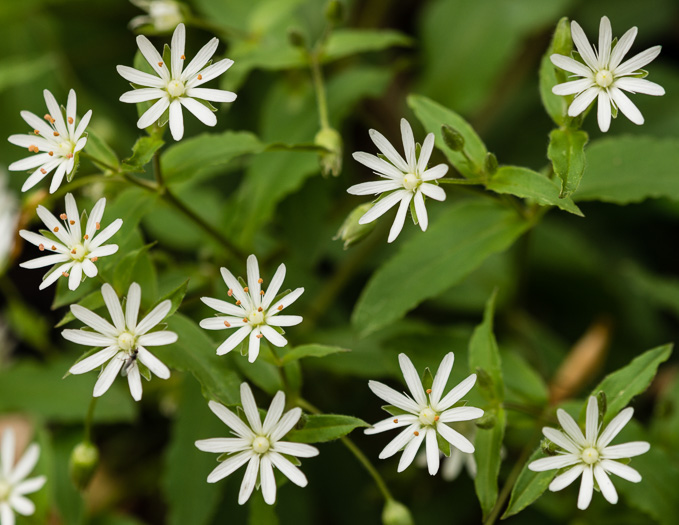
(14, 487)
(604, 76)
(406, 180)
(425, 415)
(124, 341)
(176, 86)
(589, 456)
(259, 445)
(72, 252)
(55, 141)
(256, 312)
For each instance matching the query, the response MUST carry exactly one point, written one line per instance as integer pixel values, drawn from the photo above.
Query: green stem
(360, 456)
(88, 420)
(461, 181)
(319, 87)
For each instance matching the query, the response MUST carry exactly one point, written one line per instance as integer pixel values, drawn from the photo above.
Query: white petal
(639, 85)
(399, 441)
(26, 464)
(221, 445)
(134, 381)
(253, 345)
(105, 234)
(284, 320)
(408, 144)
(234, 340)
(460, 414)
(637, 62)
(55, 112)
(229, 466)
(210, 72)
(433, 192)
(94, 361)
(273, 415)
(400, 218)
(561, 439)
(153, 57)
(455, 438)
(289, 470)
(615, 426)
(570, 426)
(433, 456)
(582, 101)
(441, 378)
(456, 393)
(604, 111)
(89, 268)
(158, 338)
(299, 450)
(177, 50)
(142, 95)
(583, 45)
(153, 113)
(374, 187)
(273, 336)
(554, 462)
(571, 65)
(563, 480)
(289, 420)
(21, 505)
(30, 485)
(421, 211)
(199, 111)
(626, 450)
(54, 275)
(254, 287)
(249, 480)
(102, 251)
(388, 151)
(621, 48)
(75, 276)
(605, 484)
(592, 420)
(113, 305)
(132, 306)
(586, 488)
(382, 167)
(425, 154)
(412, 379)
(410, 451)
(250, 408)
(268, 482)
(176, 120)
(393, 397)
(30, 162)
(391, 423)
(201, 58)
(154, 364)
(154, 317)
(6, 514)
(626, 106)
(108, 376)
(434, 173)
(223, 307)
(58, 176)
(138, 77)
(7, 451)
(45, 260)
(93, 320)
(231, 420)
(83, 124)
(573, 87)
(619, 469)
(286, 301)
(236, 288)
(217, 323)
(274, 286)
(38, 174)
(212, 95)
(82, 337)
(605, 40)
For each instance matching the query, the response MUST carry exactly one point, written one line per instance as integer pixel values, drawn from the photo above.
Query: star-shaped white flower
(259, 445)
(176, 86)
(590, 456)
(407, 180)
(255, 313)
(124, 341)
(72, 252)
(604, 76)
(55, 141)
(163, 15)
(424, 417)
(13, 483)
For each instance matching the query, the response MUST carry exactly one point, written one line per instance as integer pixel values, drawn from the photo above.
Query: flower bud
(490, 164)
(351, 232)
(334, 12)
(486, 421)
(484, 380)
(83, 464)
(453, 139)
(296, 38)
(562, 43)
(330, 160)
(548, 447)
(396, 513)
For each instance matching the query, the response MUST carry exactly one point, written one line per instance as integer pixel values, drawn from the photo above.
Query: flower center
(428, 416)
(590, 455)
(260, 445)
(256, 317)
(410, 181)
(604, 78)
(126, 341)
(65, 148)
(78, 252)
(175, 88)
(5, 490)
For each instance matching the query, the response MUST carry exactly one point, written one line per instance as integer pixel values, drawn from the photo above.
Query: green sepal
(395, 411)
(427, 379)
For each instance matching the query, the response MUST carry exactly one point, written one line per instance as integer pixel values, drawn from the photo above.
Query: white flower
(124, 341)
(258, 445)
(407, 180)
(590, 455)
(163, 15)
(13, 483)
(604, 76)
(175, 87)
(55, 140)
(74, 253)
(255, 312)
(424, 418)
(452, 465)
(9, 216)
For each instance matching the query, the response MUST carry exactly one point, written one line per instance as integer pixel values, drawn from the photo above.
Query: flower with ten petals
(55, 141)
(406, 180)
(124, 341)
(74, 253)
(255, 313)
(589, 455)
(176, 86)
(13, 483)
(424, 418)
(259, 445)
(605, 76)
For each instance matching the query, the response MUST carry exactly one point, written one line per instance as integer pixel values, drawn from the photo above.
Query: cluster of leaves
(259, 189)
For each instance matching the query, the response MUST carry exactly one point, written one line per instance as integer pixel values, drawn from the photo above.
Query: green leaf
(529, 184)
(487, 445)
(189, 498)
(562, 44)
(347, 42)
(311, 350)
(195, 352)
(102, 154)
(567, 152)
(455, 244)
(522, 382)
(529, 486)
(142, 153)
(623, 170)
(433, 116)
(122, 274)
(175, 297)
(484, 353)
(16, 70)
(325, 427)
(30, 387)
(622, 385)
(206, 153)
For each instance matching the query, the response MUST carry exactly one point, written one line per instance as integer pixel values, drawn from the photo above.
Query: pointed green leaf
(313, 350)
(102, 154)
(325, 427)
(529, 486)
(347, 42)
(487, 446)
(122, 274)
(561, 44)
(567, 152)
(142, 153)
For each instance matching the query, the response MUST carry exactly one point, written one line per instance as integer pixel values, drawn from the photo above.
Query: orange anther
(200, 77)
(56, 229)
(71, 222)
(63, 216)
(227, 324)
(36, 132)
(436, 418)
(428, 390)
(261, 292)
(259, 336)
(70, 120)
(43, 170)
(97, 225)
(55, 133)
(416, 433)
(245, 319)
(396, 420)
(54, 247)
(260, 280)
(160, 64)
(237, 303)
(260, 309)
(246, 290)
(69, 156)
(51, 153)
(86, 236)
(94, 259)
(280, 307)
(41, 247)
(230, 292)
(182, 57)
(65, 274)
(73, 251)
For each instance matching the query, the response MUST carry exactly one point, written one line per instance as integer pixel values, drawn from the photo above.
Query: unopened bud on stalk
(548, 447)
(484, 380)
(396, 513)
(83, 464)
(490, 164)
(351, 232)
(334, 12)
(330, 160)
(487, 421)
(453, 139)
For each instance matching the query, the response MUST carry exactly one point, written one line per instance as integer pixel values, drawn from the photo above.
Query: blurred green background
(618, 267)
